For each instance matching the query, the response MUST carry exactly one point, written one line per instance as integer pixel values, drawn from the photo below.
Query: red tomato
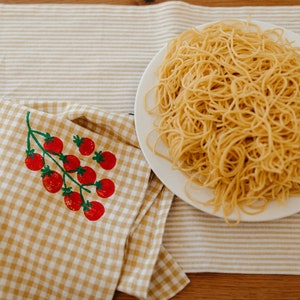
(86, 175)
(106, 159)
(34, 161)
(70, 162)
(52, 180)
(53, 144)
(85, 145)
(94, 211)
(73, 200)
(105, 188)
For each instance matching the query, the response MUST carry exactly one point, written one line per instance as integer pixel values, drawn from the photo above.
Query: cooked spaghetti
(228, 109)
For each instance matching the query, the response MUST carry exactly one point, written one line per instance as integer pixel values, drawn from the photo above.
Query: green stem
(39, 132)
(31, 133)
(83, 203)
(28, 133)
(64, 180)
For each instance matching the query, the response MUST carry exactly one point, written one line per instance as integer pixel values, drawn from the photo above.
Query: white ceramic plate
(174, 179)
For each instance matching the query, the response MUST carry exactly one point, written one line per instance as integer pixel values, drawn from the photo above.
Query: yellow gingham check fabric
(49, 251)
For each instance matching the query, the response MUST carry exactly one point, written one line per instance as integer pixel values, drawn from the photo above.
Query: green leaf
(77, 140)
(98, 157)
(67, 190)
(30, 152)
(81, 170)
(46, 171)
(98, 185)
(86, 205)
(48, 138)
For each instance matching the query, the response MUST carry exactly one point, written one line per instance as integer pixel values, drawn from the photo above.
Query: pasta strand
(228, 109)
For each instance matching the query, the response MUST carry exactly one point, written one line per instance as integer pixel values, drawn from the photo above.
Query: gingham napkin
(81, 213)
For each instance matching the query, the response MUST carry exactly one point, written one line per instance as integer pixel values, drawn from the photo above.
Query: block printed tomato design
(34, 161)
(68, 175)
(53, 144)
(94, 210)
(86, 175)
(105, 187)
(85, 145)
(52, 180)
(107, 160)
(73, 200)
(71, 163)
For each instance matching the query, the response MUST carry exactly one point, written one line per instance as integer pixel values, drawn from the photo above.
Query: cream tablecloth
(95, 55)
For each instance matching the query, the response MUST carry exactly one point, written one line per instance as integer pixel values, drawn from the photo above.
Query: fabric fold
(145, 254)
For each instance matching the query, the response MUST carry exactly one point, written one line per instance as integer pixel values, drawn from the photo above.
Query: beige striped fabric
(96, 55)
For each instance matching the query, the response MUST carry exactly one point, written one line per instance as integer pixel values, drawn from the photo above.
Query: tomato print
(53, 144)
(70, 162)
(105, 188)
(52, 180)
(94, 210)
(34, 161)
(86, 175)
(69, 172)
(106, 159)
(85, 145)
(73, 200)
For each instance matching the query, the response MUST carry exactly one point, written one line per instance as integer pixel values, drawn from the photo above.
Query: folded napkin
(82, 215)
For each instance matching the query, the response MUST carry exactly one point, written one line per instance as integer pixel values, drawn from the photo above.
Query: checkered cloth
(53, 247)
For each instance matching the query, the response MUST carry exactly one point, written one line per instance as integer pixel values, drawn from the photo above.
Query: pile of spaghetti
(228, 105)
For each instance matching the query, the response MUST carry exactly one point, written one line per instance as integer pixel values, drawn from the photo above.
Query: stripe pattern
(96, 55)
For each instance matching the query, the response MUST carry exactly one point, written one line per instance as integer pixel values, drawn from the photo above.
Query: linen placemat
(96, 55)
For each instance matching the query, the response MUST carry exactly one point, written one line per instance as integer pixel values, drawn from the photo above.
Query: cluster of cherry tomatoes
(71, 171)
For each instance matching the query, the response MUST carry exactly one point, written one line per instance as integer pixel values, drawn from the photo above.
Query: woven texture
(50, 249)
(96, 55)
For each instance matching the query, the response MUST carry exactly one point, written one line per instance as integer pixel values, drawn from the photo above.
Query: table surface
(149, 2)
(216, 286)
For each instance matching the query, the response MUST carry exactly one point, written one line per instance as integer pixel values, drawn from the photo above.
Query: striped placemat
(96, 55)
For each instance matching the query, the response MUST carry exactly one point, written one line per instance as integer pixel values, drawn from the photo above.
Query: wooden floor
(211, 286)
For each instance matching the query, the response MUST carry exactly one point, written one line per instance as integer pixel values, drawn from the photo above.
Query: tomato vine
(31, 133)
(52, 179)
